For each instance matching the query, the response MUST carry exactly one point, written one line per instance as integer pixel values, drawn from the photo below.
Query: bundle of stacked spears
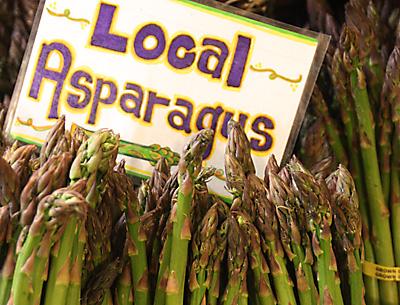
(75, 231)
(355, 121)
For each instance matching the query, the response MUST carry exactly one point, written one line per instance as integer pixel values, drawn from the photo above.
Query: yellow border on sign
(270, 29)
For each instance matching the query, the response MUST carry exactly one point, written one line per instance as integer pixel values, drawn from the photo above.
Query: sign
(158, 71)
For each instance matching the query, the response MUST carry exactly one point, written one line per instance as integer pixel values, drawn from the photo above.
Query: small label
(389, 274)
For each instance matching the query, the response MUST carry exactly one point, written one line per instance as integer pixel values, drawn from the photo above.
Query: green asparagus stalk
(258, 264)
(213, 293)
(355, 53)
(50, 177)
(237, 263)
(93, 161)
(318, 221)
(205, 252)
(332, 130)
(349, 120)
(57, 141)
(61, 264)
(137, 249)
(123, 291)
(347, 221)
(189, 168)
(53, 215)
(392, 96)
(284, 201)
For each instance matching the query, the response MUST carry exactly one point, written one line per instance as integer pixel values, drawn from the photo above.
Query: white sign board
(158, 71)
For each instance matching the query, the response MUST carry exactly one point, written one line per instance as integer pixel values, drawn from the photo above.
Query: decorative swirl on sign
(29, 123)
(274, 75)
(67, 14)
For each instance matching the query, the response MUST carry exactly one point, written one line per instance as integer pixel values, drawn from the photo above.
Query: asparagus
(9, 187)
(347, 221)
(258, 264)
(136, 246)
(54, 213)
(123, 291)
(214, 280)
(355, 53)
(332, 130)
(205, 251)
(94, 159)
(318, 221)
(98, 286)
(50, 177)
(391, 95)
(290, 234)
(57, 141)
(189, 168)
(19, 161)
(237, 264)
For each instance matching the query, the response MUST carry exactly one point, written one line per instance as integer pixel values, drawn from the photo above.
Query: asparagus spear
(19, 161)
(258, 264)
(349, 119)
(318, 221)
(284, 201)
(356, 51)
(205, 251)
(56, 141)
(237, 264)
(50, 177)
(54, 213)
(189, 168)
(347, 221)
(94, 159)
(98, 286)
(124, 289)
(9, 187)
(392, 95)
(332, 130)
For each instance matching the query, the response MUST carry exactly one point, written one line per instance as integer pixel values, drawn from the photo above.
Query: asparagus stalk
(347, 221)
(258, 264)
(283, 199)
(392, 96)
(237, 263)
(189, 168)
(318, 221)
(205, 251)
(355, 52)
(214, 271)
(19, 161)
(50, 177)
(94, 159)
(332, 130)
(54, 213)
(349, 120)
(57, 141)
(124, 289)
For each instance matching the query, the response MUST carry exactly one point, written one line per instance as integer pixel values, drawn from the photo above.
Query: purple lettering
(184, 118)
(42, 72)
(110, 99)
(101, 34)
(74, 100)
(181, 41)
(137, 99)
(154, 100)
(204, 61)
(267, 143)
(150, 30)
(239, 61)
(215, 114)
